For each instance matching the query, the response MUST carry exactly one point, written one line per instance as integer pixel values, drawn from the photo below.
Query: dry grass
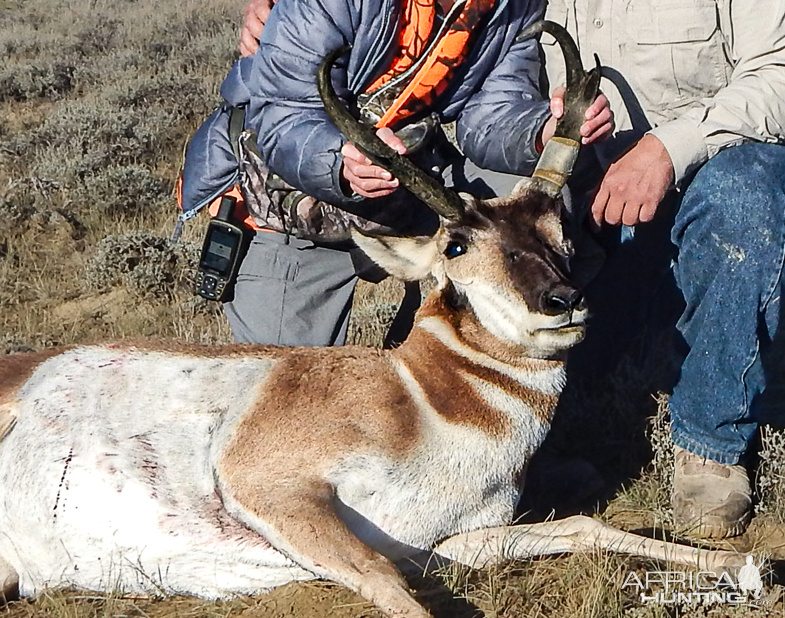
(96, 102)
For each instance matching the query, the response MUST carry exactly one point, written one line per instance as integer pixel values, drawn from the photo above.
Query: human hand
(256, 14)
(634, 186)
(363, 176)
(598, 125)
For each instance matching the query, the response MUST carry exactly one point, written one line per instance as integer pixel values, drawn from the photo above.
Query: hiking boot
(710, 500)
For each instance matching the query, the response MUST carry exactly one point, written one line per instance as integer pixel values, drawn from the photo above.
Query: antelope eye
(454, 249)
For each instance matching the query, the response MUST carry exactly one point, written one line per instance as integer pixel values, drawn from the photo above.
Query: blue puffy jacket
(494, 96)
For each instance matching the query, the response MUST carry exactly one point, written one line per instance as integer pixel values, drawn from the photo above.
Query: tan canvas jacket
(700, 75)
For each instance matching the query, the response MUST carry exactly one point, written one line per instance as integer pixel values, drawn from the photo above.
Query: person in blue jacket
(295, 284)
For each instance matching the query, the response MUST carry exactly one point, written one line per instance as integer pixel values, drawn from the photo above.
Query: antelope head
(504, 260)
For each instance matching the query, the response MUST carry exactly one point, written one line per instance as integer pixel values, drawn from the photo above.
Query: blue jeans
(730, 234)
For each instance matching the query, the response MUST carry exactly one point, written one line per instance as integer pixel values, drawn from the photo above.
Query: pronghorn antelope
(221, 471)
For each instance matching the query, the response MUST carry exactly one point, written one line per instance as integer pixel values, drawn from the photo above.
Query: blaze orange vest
(433, 72)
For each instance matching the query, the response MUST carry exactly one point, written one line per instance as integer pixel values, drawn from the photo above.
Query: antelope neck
(457, 378)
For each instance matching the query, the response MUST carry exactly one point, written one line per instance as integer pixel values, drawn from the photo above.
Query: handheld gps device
(220, 256)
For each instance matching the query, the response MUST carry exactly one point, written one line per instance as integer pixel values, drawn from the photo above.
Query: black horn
(445, 202)
(558, 157)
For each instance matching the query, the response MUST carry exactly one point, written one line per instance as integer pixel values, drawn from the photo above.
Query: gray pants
(293, 292)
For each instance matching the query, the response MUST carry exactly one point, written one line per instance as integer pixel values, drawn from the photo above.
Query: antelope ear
(409, 259)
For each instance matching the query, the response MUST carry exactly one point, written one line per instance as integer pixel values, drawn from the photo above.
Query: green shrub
(147, 265)
(127, 190)
(93, 146)
(177, 93)
(96, 35)
(25, 82)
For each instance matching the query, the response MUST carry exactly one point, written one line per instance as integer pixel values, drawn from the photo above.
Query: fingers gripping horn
(558, 157)
(445, 202)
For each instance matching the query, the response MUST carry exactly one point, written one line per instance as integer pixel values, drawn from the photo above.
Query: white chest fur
(396, 505)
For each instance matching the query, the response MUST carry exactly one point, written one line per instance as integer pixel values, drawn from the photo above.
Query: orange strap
(433, 77)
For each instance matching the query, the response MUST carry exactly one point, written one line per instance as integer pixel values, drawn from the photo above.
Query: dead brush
(649, 496)
(578, 585)
(770, 479)
(659, 435)
(78, 604)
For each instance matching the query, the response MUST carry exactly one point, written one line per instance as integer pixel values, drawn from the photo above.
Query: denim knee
(730, 233)
(739, 194)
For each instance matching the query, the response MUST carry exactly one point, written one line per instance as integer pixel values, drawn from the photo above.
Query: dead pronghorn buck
(221, 471)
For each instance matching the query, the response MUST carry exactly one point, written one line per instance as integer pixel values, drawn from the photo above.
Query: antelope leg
(302, 524)
(489, 546)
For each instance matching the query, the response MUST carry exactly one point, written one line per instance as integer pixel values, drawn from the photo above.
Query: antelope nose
(561, 299)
